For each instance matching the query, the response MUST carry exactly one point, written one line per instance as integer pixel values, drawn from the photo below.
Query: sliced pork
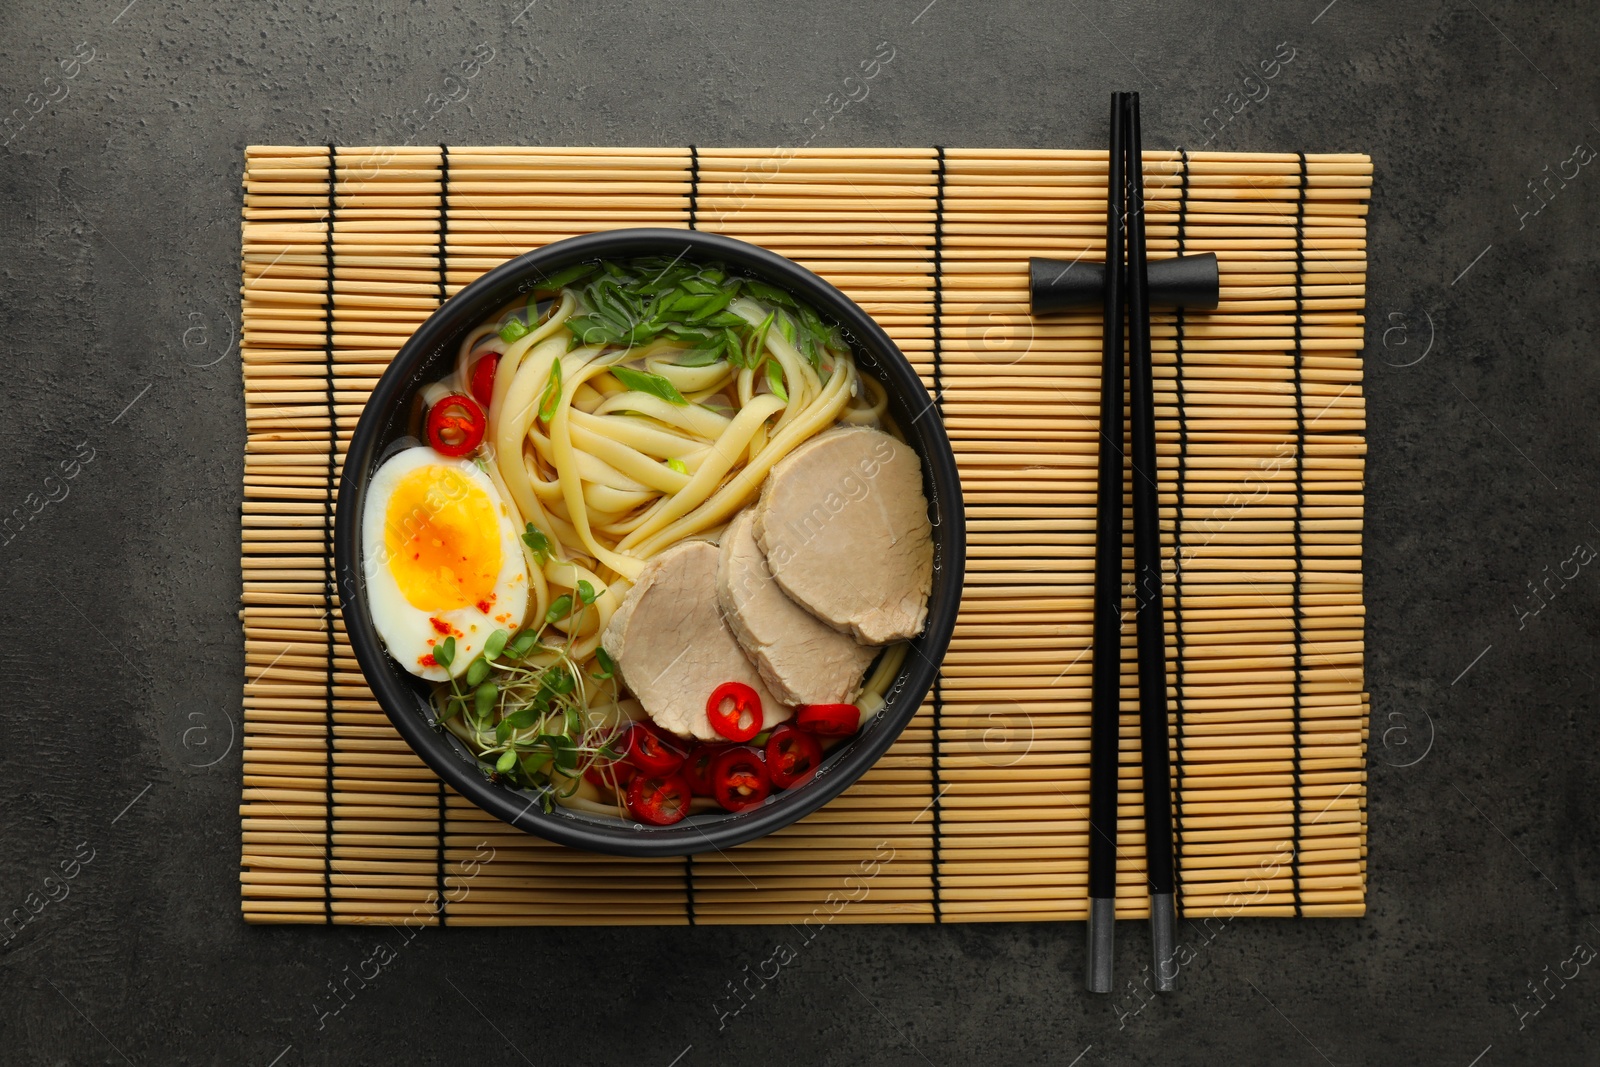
(844, 526)
(802, 659)
(672, 647)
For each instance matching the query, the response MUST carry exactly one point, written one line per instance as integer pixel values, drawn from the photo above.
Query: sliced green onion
(552, 393)
(565, 277)
(593, 330)
(678, 465)
(695, 334)
(699, 357)
(713, 304)
(645, 382)
(688, 303)
(767, 293)
(775, 380)
(757, 342)
(609, 300)
(664, 282)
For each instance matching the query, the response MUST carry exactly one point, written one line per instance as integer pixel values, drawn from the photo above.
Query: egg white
(408, 632)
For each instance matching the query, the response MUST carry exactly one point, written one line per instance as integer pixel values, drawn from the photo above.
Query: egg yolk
(443, 540)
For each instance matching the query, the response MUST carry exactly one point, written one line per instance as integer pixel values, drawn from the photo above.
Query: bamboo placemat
(979, 812)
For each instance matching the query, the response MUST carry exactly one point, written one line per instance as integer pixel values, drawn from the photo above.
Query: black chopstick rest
(1058, 285)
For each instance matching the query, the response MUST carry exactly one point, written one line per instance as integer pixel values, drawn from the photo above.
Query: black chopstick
(1148, 606)
(1106, 698)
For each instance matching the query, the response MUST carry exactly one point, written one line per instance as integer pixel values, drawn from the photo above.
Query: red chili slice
(828, 720)
(658, 799)
(456, 425)
(482, 379)
(652, 751)
(739, 778)
(792, 755)
(735, 711)
(696, 770)
(609, 774)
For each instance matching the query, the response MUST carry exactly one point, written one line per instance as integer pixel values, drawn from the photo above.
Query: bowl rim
(396, 691)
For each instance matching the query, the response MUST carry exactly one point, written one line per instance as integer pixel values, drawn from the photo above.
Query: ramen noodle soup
(656, 544)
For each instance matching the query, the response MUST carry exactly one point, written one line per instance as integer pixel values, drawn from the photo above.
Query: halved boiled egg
(442, 559)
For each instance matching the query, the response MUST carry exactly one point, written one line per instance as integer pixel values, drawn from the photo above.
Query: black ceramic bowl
(428, 356)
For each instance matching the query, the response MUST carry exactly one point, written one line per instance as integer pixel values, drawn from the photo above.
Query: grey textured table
(123, 419)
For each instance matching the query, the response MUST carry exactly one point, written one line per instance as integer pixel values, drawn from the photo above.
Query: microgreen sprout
(560, 608)
(528, 705)
(535, 539)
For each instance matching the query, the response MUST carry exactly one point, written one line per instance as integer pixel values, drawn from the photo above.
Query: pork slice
(672, 646)
(844, 526)
(802, 659)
